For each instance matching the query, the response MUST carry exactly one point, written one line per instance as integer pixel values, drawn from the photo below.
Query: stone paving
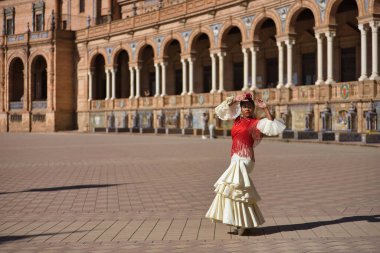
(71, 192)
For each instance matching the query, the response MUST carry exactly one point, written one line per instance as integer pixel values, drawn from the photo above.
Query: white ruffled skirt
(236, 197)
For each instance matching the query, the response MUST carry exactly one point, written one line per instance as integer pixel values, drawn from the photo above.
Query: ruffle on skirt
(236, 196)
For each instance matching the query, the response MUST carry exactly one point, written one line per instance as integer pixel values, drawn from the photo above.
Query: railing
(339, 92)
(39, 104)
(153, 15)
(16, 105)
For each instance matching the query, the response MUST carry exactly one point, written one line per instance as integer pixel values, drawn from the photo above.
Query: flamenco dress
(236, 197)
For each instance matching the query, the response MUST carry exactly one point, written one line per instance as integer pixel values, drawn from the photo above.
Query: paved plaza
(71, 192)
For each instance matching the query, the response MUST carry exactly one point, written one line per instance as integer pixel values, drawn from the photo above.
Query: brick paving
(143, 193)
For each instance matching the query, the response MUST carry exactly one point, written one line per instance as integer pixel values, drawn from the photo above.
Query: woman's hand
(260, 103)
(239, 98)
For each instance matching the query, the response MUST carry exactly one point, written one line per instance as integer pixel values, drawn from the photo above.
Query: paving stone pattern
(71, 192)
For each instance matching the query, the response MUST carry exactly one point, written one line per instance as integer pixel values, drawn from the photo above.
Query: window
(9, 20)
(39, 23)
(38, 16)
(9, 28)
(81, 5)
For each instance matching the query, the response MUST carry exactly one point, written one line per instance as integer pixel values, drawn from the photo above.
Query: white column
(163, 68)
(191, 80)
(108, 85)
(213, 71)
(113, 73)
(319, 38)
(221, 71)
(132, 82)
(137, 81)
(254, 67)
(289, 44)
(157, 70)
(375, 46)
(245, 73)
(330, 35)
(184, 77)
(363, 46)
(280, 65)
(90, 87)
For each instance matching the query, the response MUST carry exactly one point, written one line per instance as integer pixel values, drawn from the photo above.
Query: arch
(228, 26)
(332, 7)
(39, 71)
(121, 63)
(94, 54)
(174, 72)
(17, 54)
(198, 32)
(36, 54)
(16, 79)
(117, 51)
(296, 9)
(140, 48)
(168, 40)
(98, 65)
(260, 19)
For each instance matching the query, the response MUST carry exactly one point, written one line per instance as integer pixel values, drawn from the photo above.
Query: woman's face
(247, 109)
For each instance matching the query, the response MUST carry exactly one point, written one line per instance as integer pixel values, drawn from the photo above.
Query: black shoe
(241, 231)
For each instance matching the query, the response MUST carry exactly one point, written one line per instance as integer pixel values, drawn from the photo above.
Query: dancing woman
(236, 198)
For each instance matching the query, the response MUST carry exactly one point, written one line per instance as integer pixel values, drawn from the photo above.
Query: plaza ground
(71, 192)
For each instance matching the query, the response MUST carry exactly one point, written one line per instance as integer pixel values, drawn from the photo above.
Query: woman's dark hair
(247, 101)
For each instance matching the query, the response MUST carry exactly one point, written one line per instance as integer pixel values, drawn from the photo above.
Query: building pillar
(289, 44)
(363, 46)
(157, 70)
(90, 87)
(137, 81)
(108, 84)
(184, 77)
(319, 37)
(254, 67)
(330, 36)
(221, 71)
(245, 73)
(132, 82)
(191, 80)
(163, 68)
(213, 75)
(280, 65)
(375, 46)
(113, 73)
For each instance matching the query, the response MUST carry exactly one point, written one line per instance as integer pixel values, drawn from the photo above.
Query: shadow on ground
(306, 226)
(12, 238)
(69, 187)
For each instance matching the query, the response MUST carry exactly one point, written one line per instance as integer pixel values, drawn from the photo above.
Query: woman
(236, 197)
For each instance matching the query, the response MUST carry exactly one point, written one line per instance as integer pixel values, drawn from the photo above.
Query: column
(132, 82)
(213, 71)
(319, 38)
(330, 35)
(221, 70)
(157, 70)
(375, 74)
(113, 73)
(90, 85)
(108, 84)
(280, 65)
(191, 80)
(254, 67)
(289, 45)
(137, 81)
(363, 46)
(163, 67)
(184, 77)
(245, 73)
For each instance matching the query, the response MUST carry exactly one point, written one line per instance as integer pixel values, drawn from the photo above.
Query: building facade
(157, 65)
